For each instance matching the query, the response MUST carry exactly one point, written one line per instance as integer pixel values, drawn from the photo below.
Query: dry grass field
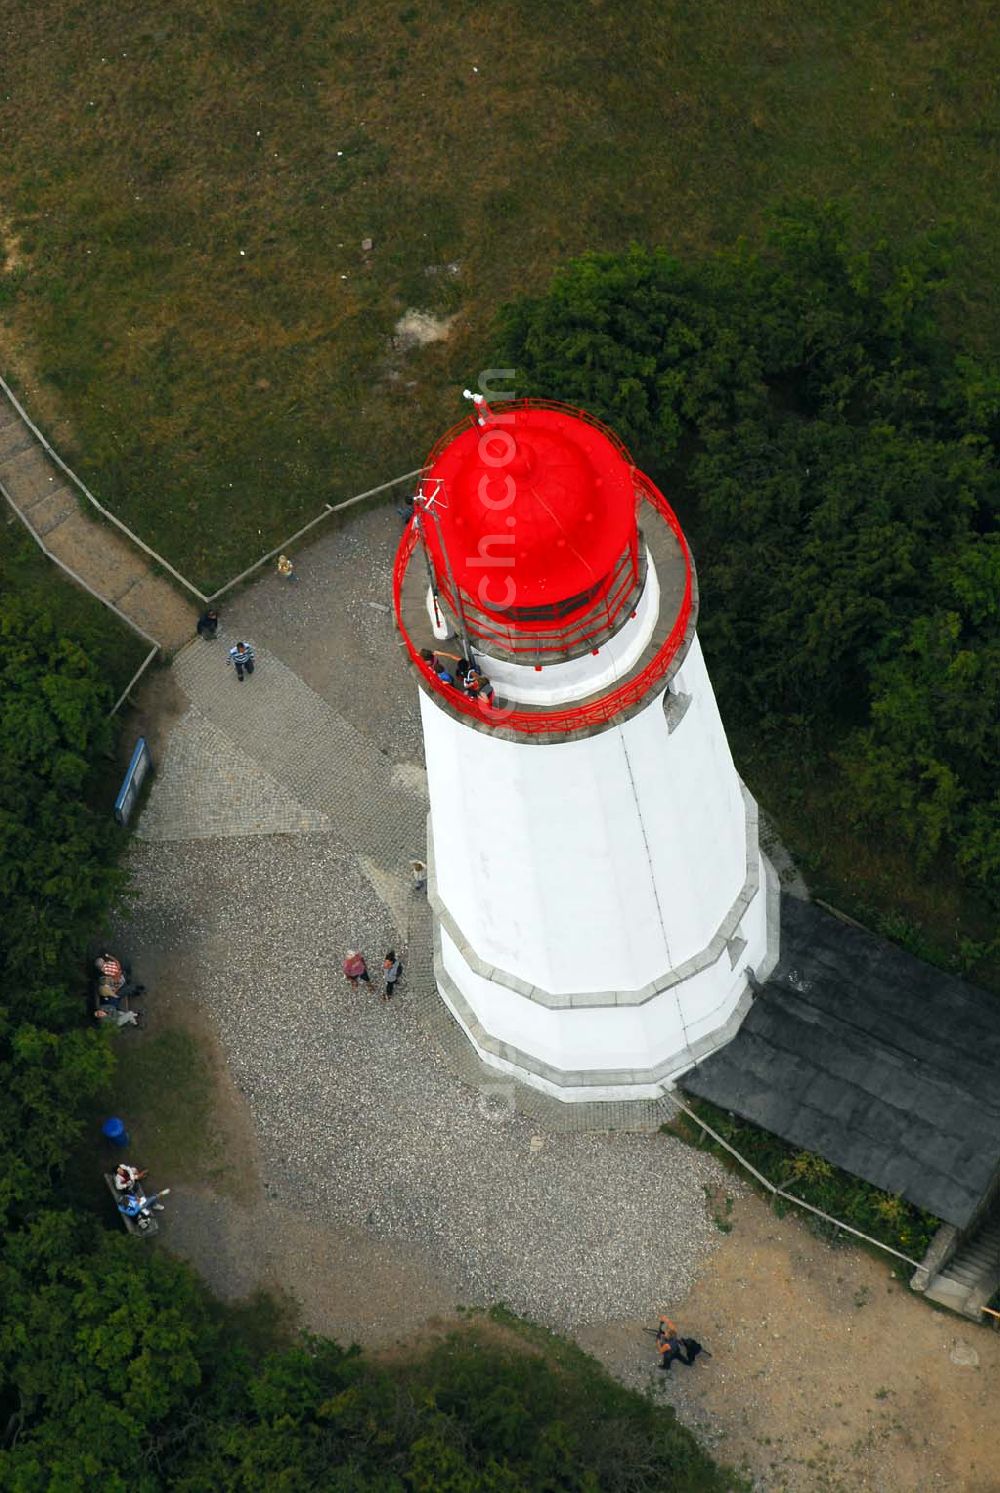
(185, 190)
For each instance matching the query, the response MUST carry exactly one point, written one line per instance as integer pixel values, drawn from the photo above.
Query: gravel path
(361, 1123)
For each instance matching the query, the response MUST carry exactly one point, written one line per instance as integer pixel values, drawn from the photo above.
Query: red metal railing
(615, 593)
(506, 406)
(538, 637)
(574, 717)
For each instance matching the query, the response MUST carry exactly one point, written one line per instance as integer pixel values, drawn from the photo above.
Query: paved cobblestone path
(208, 786)
(278, 834)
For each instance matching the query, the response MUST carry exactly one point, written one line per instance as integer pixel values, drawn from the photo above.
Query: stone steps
(15, 438)
(972, 1275)
(104, 559)
(49, 511)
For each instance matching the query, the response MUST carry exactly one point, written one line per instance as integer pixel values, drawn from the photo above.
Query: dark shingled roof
(884, 1065)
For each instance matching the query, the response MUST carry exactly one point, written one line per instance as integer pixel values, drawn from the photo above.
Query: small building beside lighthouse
(602, 909)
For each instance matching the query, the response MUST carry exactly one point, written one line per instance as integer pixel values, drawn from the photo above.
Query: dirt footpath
(828, 1375)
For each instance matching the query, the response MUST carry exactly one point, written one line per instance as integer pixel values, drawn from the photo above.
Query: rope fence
(780, 1192)
(77, 482)
(133, 681)
(79, 581)
(328, 509)
(156, 648)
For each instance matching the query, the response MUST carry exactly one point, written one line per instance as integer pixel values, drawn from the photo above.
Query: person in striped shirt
(111, 971)
(242, 659)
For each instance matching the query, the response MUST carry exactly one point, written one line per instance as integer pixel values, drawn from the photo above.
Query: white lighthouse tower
(601, 904)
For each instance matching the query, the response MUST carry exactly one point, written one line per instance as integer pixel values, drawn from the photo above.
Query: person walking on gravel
(208, 624)
(355, 968)
(241, 657)
(671, 1347)
(391, 971)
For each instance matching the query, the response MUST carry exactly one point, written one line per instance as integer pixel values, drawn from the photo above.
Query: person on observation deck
(437, 663)
(476, 685)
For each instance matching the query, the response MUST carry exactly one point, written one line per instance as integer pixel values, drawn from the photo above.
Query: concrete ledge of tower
(584, 999)
(713, 951)
(557, 1000)
(521, 987)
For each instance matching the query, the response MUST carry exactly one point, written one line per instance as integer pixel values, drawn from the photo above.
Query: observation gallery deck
(661, 535)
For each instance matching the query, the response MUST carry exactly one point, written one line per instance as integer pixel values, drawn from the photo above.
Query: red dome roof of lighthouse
(542, 494)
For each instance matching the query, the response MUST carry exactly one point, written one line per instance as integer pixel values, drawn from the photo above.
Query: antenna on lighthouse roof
(427, 503)
(483, 412)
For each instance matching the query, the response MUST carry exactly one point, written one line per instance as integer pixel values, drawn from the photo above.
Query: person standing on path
(355, 968)
(391, 971)
(286, 569)
(241, 656)
(208, 624)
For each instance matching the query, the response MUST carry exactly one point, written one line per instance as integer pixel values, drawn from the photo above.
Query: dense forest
(834, 458)
(118, 1372)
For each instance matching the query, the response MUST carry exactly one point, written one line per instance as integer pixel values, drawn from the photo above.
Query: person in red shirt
(115, 979)
(110, 970)
(355, 968)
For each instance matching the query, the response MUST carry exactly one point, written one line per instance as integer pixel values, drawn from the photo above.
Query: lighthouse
(602, 910)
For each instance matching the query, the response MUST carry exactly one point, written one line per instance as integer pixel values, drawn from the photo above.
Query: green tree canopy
(100, 1352)
(57, 874)
(56, 870)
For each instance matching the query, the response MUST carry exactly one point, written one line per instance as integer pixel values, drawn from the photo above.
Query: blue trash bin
(114, 1131)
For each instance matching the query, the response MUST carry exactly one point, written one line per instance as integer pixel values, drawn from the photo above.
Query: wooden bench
(149, 1225)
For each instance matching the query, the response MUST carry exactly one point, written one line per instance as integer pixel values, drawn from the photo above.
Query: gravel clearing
(361, 1123)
